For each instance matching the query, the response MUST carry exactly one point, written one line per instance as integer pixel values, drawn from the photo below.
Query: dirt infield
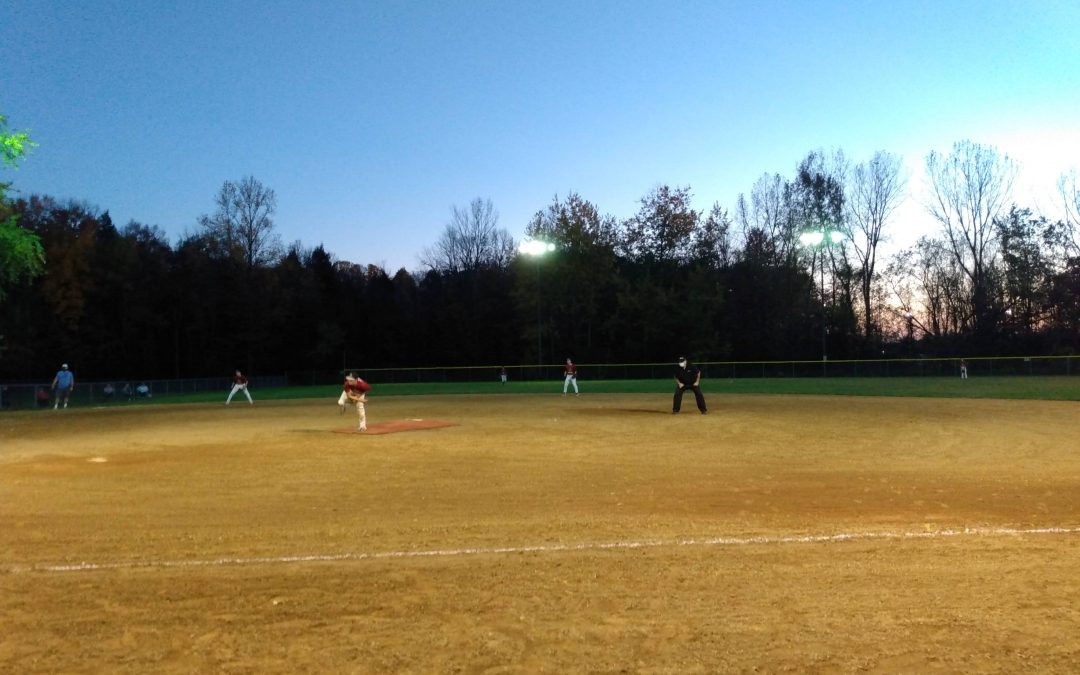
(544, 534)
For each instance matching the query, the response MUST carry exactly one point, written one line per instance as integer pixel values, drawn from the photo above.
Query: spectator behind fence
(126, 391)
(42, 397)
(63, 384)
(142, 390)
(109, 391)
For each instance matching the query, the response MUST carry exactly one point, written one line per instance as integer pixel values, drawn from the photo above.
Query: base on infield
(396, 426)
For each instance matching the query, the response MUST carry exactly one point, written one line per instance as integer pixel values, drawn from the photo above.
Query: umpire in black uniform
(687, 376)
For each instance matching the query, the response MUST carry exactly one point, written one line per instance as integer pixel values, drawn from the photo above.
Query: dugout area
(543, 534)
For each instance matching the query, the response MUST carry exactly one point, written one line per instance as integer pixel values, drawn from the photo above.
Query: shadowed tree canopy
(663, 228)
(128, 303)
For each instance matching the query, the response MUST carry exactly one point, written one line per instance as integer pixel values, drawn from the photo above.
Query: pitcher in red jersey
(355, 391)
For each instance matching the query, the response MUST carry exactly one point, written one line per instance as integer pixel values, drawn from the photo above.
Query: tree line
(794, 271)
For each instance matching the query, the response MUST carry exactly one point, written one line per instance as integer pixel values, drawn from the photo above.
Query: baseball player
(63, 383)
(570, 377)
(687, 376)
(355, 391)
(240, 383)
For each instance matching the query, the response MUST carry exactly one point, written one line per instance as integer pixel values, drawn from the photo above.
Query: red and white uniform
(570, 373)
(355, 389)
(240, 383)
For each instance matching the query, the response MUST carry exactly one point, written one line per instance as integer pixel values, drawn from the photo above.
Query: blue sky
(371, 120)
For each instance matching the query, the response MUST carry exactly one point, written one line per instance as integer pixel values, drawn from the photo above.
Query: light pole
(816, 241)
(537, 249)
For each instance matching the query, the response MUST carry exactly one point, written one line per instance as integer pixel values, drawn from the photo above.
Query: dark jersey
(688, 375)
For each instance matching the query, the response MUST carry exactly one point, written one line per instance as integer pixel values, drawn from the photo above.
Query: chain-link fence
(41, 395)
(932, 367)
(22, 396)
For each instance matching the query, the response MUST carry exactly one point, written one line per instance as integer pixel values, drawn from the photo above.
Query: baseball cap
(63, 365)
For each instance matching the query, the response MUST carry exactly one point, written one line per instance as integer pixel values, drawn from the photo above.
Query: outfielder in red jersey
(240, 383)
(355, 390)
(570, 373)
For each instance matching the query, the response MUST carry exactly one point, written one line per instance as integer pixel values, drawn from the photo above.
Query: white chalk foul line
(548, 548)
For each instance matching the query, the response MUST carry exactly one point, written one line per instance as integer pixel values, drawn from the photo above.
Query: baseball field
(543, 534)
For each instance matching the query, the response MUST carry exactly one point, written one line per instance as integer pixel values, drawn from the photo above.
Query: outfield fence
(22, 396)
(929, 367)
(25, 395)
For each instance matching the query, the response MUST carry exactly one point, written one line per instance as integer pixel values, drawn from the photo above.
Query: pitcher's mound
(397, 425)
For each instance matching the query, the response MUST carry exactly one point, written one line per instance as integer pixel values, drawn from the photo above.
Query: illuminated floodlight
(812, 238)
(535, 247)
(836, 237)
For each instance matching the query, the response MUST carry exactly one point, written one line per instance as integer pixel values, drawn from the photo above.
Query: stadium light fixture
(536, 249)
(815, 240)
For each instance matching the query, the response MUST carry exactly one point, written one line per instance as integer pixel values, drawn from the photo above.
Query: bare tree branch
(969, 189)
(875, 190)
(472, 240)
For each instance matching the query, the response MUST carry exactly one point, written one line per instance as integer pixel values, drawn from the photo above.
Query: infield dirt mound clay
(398, 425)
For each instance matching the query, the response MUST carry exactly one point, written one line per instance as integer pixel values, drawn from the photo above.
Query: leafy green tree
(14, 145)
(21, 255)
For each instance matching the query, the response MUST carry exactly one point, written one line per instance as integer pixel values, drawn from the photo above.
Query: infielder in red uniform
(240, 383)
(355, 390)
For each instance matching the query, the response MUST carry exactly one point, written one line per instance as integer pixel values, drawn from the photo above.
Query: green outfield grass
(1060, 388)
